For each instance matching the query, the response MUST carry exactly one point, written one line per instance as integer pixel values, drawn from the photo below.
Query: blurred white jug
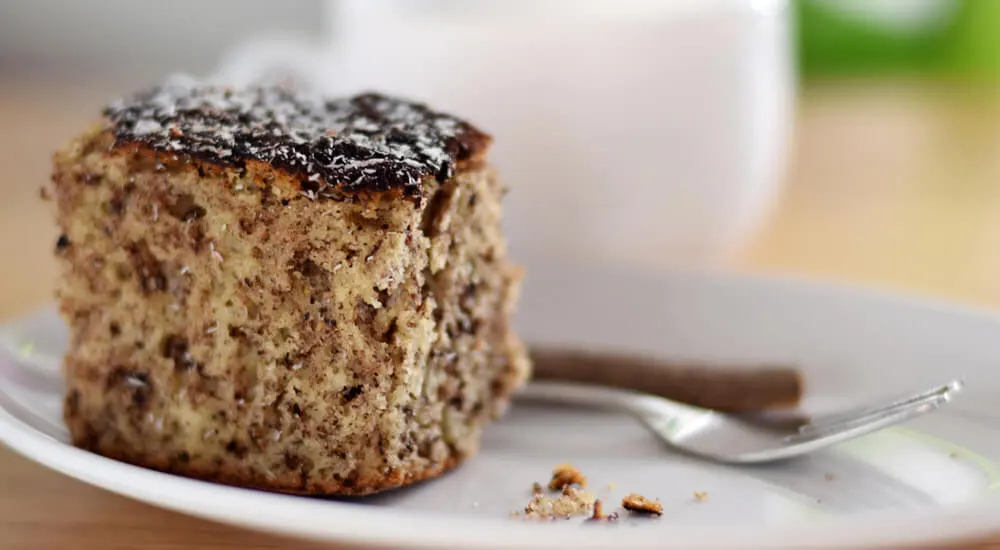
(651, 129)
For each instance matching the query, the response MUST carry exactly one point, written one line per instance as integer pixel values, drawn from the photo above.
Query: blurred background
(855, 140)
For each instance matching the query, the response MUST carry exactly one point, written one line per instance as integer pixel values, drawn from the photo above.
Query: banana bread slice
(271, 289)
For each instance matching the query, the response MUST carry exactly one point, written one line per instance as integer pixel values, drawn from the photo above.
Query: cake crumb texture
(570, 503)
(247, 318)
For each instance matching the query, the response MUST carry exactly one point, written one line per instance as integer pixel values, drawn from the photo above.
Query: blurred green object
(946, 38)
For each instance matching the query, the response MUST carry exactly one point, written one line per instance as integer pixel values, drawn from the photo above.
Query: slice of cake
(281, 291)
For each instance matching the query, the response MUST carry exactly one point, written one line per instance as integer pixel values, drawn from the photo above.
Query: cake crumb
(598, 510)
(700, 496)
(572, 502)
(828, 477)
(638, 503)
(599, 515)
(565, 475)
(612, 486)
(537, 489)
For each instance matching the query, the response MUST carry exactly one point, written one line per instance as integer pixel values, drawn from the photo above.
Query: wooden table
(891, 184)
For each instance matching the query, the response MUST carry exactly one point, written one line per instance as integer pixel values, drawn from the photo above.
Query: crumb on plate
(638, 503)
(599, 515)
(700, 496)
(572, 502)
(565, 475)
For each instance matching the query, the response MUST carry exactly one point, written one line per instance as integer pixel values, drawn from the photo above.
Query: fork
(727, 438)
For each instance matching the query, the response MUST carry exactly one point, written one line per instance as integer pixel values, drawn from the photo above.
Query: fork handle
(729, 388)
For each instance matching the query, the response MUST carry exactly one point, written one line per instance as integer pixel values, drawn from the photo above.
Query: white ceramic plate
(932, 480)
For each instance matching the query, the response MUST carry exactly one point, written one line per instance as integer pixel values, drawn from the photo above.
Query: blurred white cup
(647, 129)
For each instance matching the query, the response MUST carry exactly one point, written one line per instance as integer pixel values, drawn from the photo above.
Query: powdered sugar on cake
(368, 142)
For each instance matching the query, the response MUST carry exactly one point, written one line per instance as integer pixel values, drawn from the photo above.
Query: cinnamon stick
(729, 388)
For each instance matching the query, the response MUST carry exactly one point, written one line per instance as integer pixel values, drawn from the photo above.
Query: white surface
(665, 123)
(931, 480)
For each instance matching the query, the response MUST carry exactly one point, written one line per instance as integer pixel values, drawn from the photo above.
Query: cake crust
(368, 142)
(229, 324)
(291, 482)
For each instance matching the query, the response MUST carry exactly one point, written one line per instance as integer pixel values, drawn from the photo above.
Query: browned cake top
(368, 142)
